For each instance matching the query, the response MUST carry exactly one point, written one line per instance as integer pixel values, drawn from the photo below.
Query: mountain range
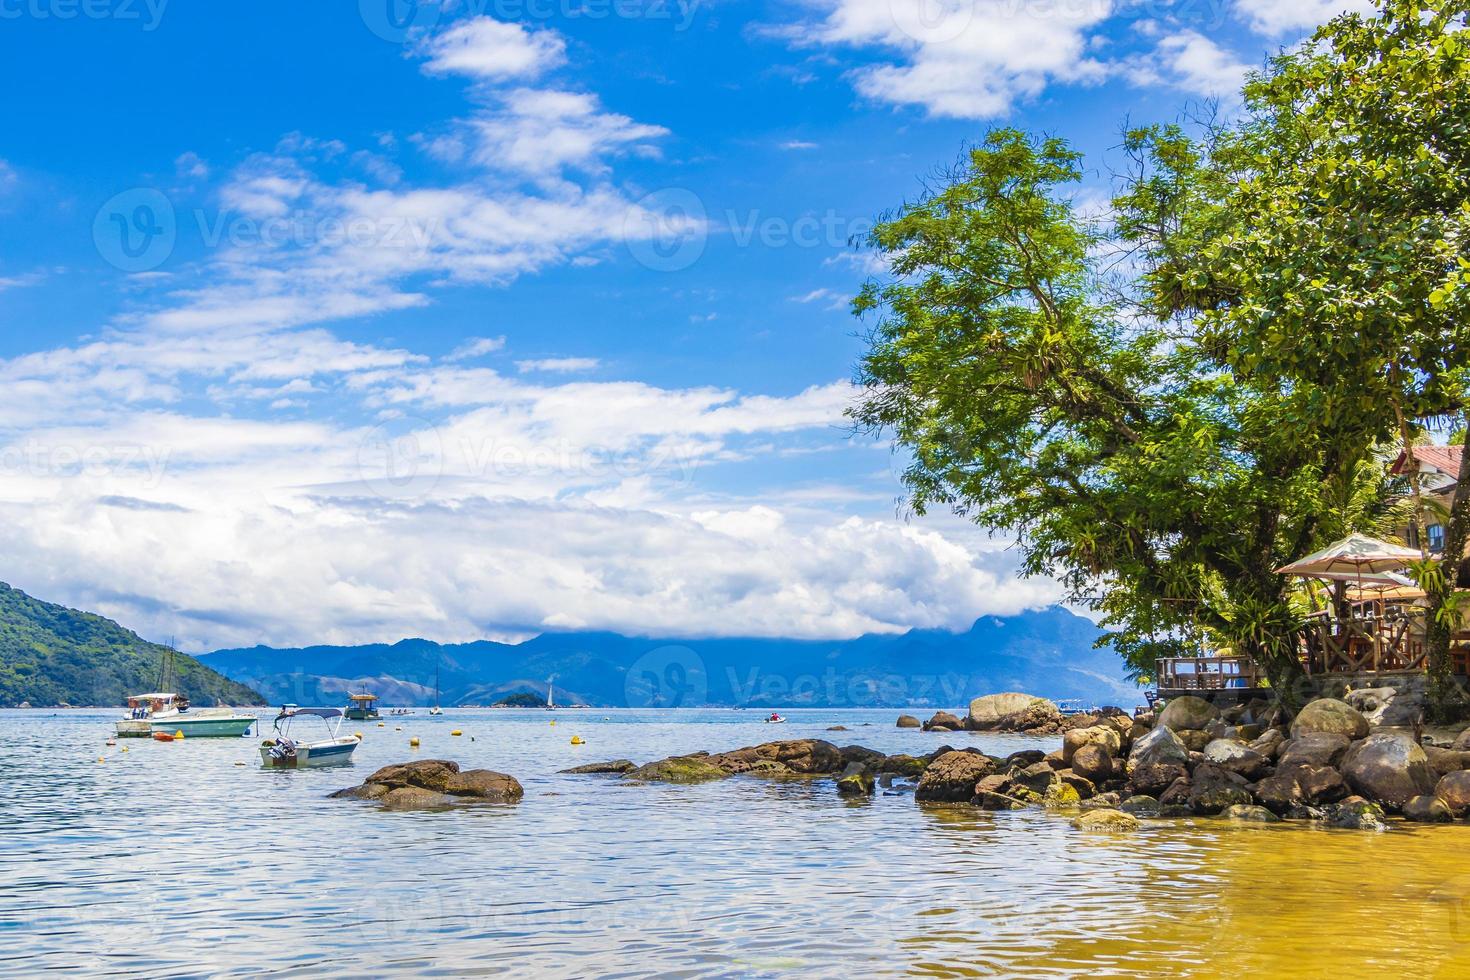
(1049, 652)
(51, 655)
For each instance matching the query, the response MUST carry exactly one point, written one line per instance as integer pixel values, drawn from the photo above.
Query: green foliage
(52, 655)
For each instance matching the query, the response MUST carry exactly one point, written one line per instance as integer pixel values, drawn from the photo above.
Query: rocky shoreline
(1250, 763)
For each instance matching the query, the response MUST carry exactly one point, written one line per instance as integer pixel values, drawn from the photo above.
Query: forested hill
(51, 655)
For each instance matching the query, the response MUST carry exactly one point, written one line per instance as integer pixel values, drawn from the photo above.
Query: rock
(1037, 778)
(1330, 716)
(1188, 712)
(1024, 758)
(1388, 768)
(1321, 784)
(1304, 812)
(903, 765)
(1358, 815)
(1220, 728)
(986, 712)
(1246, 813)
(616, 765)
(1175, 810)
(1106, 821)
(1213, 789)
(1236, 757)
(1454, 789)
(367, 791)
(425, 773)
(1446, 761)
(1387, 707)
(1055, 760)
(943, 721)
(485, 784)
(1160, 745)
(1313, 749)
(1093, 762)
(415, 798)
(1177, 794)
(1059, 795)
(1269, 742)
(1101, 735)
(803, 756)
(867, 758)
(908, 721)
(951, 778)
(1280, 792)
(1249, 733)
(1140, 806)
(1194, 740)
(679, 769)
(837, 728)
(1427, 809)
(856, 783)
(1462, 741)
(1084, 786)
(1151, 780)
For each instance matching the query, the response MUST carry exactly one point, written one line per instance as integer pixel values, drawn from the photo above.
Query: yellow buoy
(553, 724)
(577, 740)
(100, 759)
(178, 734)
(456, 732)
(357, 735)
(124, 748)
(413, 743)
(380, 724)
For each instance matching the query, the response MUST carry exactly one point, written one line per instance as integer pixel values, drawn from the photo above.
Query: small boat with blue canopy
(288, 752)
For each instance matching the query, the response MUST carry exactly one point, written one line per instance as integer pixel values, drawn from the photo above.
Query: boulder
(1213, 789)
(837, 728)
(1085, 787)
(1236, 757)
(679, 769)
(1247, 813)
(1188, 712)
(986, 712)
(803, 756)
(867, 758)
(1194, 740)
(943, 721)
(1140, 806)
(1321, 784)
(415, 798)
(1060, 795)
(425, 773)
(1105, 736)
(1387, 707)
(1313, 749)
(903, 765)
(1268, 743)
(1024, 758)
(1427, 809)
(1454, 789)
(485, 784)
(855, 781)
(1462, 741)
(951, 777)
(1388, 768)
(1280, 792)
(1445, 761)
(1158, 746)
(1151, 780)
(1093, 762)
(908, 721)
(1330, 716)
(367, 791)
(1357, 815)
(1106, 821)
(615, 766)
(1177, 794)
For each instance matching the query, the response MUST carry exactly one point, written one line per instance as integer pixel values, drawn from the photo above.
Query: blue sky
(340, 323)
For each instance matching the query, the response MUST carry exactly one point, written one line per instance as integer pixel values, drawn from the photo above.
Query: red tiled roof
(1445, 459)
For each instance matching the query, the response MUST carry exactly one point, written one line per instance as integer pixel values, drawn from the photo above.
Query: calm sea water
(187, 859)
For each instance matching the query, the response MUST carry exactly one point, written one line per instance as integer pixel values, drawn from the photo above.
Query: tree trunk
(1443, 619)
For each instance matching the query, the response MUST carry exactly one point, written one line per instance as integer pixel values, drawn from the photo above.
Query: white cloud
(960, 58)
(798, 145)
(1190, 61)
(487, 49)
(558, 365)
(1277, 17)
(540, 131)
(476, 347)
(191, 165)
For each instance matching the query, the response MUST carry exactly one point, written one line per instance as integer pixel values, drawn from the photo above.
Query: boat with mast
(436, 710)
(550, 700)
(167, 712)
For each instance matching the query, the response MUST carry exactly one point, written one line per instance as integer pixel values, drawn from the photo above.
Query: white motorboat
(142, 708)
(285, 752)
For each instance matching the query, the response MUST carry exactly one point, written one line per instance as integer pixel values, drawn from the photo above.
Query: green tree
(1126, 460)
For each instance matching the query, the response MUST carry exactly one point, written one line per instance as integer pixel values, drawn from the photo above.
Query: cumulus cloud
(488, 49)
(1190, 61)
(474, 347)
(1278, 17)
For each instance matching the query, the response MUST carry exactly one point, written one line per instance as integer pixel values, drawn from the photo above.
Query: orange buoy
(162, 737)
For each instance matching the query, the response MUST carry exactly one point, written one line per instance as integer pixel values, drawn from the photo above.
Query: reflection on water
(172, 860)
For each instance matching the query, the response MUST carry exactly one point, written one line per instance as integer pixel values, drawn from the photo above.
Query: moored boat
(202, 722)
(285, 752)
(362, 707)
(142, 708)
(775, 719)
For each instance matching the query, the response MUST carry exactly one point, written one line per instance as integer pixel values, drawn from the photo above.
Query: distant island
(1049, 652)
(52, 656)
(524, 699)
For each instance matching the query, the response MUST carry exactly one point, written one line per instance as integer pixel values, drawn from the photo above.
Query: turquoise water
(175, 860)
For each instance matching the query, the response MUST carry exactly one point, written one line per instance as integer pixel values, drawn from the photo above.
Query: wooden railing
(1394, 641)
(1207, 673)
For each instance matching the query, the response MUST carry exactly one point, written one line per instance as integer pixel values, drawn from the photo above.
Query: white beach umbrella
(1354, 557)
